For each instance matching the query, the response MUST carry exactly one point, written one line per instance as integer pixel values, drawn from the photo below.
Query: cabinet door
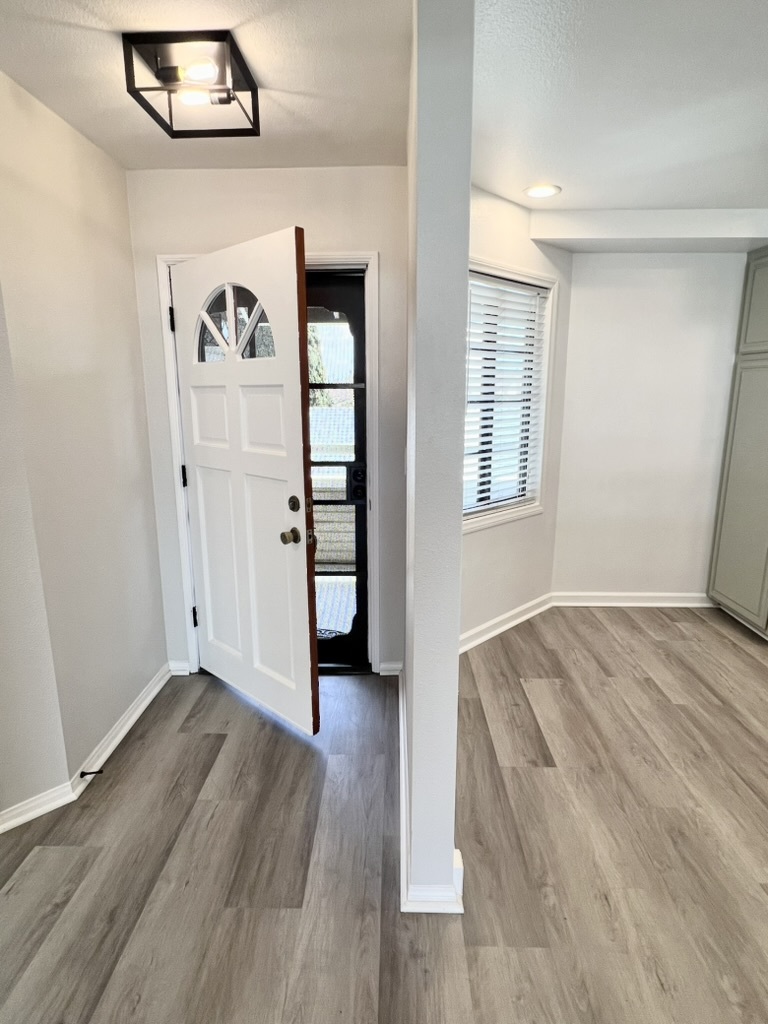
(739, 569)
(754, 323)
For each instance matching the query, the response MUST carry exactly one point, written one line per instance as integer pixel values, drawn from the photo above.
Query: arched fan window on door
(234, 321)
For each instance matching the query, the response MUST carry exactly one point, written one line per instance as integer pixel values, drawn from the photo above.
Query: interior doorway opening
(336, 340)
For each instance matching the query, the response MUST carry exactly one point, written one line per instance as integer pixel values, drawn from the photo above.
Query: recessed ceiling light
(542, 191)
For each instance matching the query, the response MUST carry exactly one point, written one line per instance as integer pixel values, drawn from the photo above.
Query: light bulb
(194, 97)
(202, 70)
(542, 191)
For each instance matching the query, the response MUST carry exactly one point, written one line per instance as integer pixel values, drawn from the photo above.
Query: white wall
(32, 755)
(353, 209)
(509, 565)
(650, 350)
(67, 277)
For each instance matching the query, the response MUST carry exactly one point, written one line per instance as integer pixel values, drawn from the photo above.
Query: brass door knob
(291, 536)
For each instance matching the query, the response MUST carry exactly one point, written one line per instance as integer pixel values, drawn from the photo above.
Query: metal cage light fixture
(195, 85)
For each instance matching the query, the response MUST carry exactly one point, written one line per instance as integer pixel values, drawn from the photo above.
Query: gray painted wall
(651, 344)
(32, 755)
(67, 275)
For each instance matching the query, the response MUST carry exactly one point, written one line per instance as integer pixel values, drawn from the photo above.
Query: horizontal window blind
(505, 365)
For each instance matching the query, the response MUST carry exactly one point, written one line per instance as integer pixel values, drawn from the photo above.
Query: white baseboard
(35, 806)
(575, 599)
(432, 899)
(628, 599)
(421, 899)
(178, 668)
(502, 623)
(390, 668)
(119, 730)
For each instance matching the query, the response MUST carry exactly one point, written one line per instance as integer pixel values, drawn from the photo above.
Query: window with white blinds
(505, 371)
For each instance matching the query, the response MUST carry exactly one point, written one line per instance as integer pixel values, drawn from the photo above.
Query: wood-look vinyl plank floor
(77, 823)
(153, 979)
(335, 969)
(722, 913)
(501, 906)
(678, 988)
(517, 737)
(138, 775)
(245, 974)
(273, 862)
(355, 715)
(577, 894)
(592, 637)
(423, 974)
(737, 679)
(527, 658)
(391, 816)
(659, 660)
(555, 630)
(654, 622)
(716, 621)
(612, 813)
(19, 843)
(467, 684)
(527, 986)
(66, 979)
(32, 902)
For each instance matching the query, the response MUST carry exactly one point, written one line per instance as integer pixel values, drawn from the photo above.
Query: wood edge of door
(301, 285)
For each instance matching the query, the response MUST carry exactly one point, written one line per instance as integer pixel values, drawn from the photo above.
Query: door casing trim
(369, 263)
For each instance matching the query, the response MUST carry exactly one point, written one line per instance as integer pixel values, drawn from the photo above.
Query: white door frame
(369, 263)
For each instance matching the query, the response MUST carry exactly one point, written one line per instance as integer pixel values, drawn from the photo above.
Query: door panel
(241, 346)
(755, 337)
(269, 580)
(262, 419)
(222, 605)
(740, 576)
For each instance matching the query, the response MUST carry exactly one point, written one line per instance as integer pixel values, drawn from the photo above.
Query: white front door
(242, 353)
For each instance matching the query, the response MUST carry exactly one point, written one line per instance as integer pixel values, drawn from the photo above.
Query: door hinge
(172, 319)
(194, 616)
(183, 476)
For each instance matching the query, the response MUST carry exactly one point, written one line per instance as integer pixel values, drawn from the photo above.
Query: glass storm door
(336, 349)
(242, 357)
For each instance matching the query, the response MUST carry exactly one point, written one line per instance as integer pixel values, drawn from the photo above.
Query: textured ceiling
(624, 103)
(333, 76)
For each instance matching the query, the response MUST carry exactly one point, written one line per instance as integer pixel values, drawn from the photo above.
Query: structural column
(439, 196)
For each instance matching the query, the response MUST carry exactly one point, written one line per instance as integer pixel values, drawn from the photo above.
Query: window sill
(485, 520)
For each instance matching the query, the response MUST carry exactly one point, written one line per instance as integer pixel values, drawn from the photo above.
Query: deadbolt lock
(293, 503)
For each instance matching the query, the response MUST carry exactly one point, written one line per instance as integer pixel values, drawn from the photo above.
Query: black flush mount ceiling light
(196, 85)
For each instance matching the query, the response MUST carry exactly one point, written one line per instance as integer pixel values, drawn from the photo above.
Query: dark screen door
(336, 344)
